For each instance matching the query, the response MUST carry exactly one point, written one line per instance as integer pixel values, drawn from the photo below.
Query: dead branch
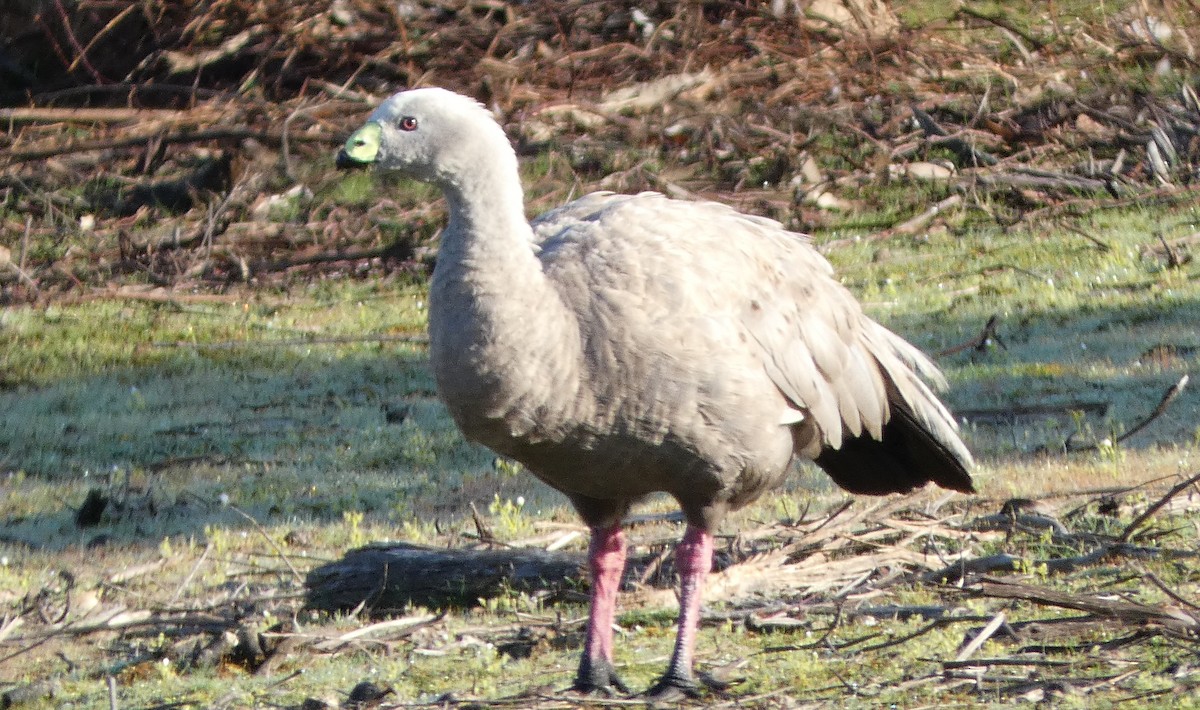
(156, 294)
(1125, 612)
(978, 639)
(1002, 23)
(399, 251)
(183, 63)
(989, 662)
(392, 628)
(1168, 397)
(968, 155)
(1175, 251)
(958, 571)
(1173, 259)
(1127, 533)
(917, 223)
(1171, 592)
(1007, 521)
(1037, 179)
(1100, 243)
(108, 115)
(292, 342)
(931, 626)
(980, 342)
(22, 155)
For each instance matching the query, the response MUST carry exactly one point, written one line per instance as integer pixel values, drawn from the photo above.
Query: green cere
(363, 145)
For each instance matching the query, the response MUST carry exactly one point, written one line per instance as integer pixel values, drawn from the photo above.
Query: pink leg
(693, 559)
(606, 561)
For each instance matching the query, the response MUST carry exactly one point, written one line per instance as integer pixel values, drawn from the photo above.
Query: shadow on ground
(327, 434)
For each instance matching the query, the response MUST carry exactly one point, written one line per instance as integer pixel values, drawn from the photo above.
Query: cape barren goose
(621, 345)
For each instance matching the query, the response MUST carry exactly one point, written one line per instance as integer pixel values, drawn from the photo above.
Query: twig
(19, 267)
(829, 518)
(25, 242)
(1102, 245)
(131, 91)
(1127, 612)
(107, 115)
(1052, 662)
(1037, 179)
(284, 143)
(81, 53)
(397, 251)
(1154, 507)
(957, 571)
(1015, 411)
(158, 295)
(1011, 520)
(179, 62)
(82, 56)
(980, 342)
(1170, 592)
(968, 155)
(1173, 261)
(1002, 23)
(293, 342)
(995, 268)
(125, 574)
(984, 634)
(191, 574)
(212, 134)
(1168, 397)
(915, 224)
(262, 531)
(407, 625)
(485, 532)
(112, 692)
(935, 624)
(1016, 40)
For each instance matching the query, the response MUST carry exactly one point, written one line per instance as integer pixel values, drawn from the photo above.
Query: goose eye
(408, 123)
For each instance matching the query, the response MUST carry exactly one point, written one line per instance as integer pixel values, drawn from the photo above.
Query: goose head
(430, 134)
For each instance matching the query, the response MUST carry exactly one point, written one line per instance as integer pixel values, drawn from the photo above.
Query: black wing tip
(962, 484)
(867, 466)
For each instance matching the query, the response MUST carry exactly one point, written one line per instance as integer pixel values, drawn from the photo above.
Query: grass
(244, 440)
(189, 416)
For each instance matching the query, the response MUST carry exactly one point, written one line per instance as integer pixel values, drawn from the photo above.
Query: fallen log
(388, 578)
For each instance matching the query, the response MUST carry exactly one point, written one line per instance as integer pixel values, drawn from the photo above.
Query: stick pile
(182, 144)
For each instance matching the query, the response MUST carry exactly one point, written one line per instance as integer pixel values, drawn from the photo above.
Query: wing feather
(842, 374)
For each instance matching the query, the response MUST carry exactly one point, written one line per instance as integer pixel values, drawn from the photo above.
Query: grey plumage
(626, 344)
(672, 346)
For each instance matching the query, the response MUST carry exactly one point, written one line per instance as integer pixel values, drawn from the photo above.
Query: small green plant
(219, 540)
(354, 519)
(509, 517)
(507, 467)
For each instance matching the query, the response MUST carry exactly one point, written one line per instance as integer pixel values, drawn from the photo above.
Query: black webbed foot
(674, 687)
(598, 677)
